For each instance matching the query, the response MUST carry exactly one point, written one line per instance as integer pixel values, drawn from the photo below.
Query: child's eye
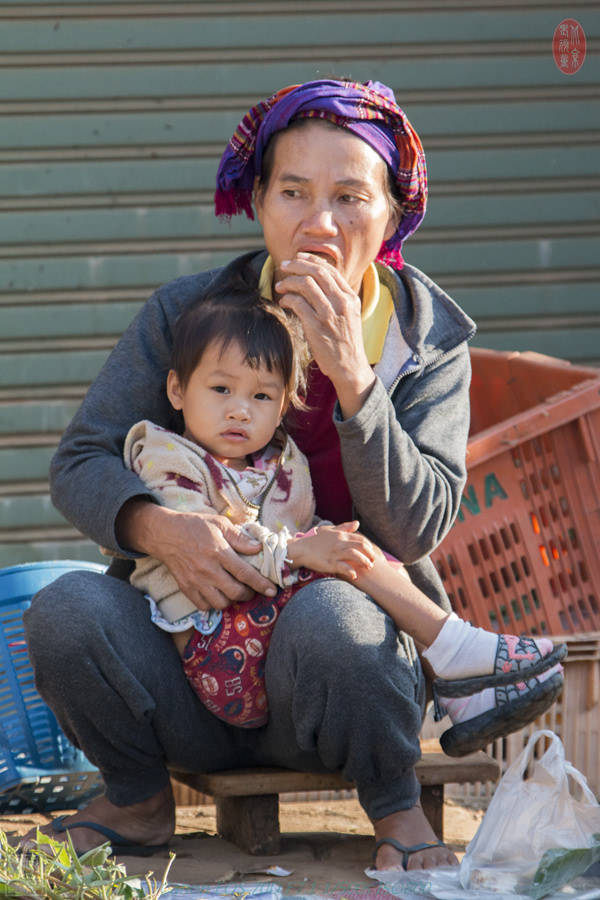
(221, 389)
(262, 396)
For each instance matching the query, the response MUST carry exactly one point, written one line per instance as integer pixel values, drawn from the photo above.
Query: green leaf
(97, 856)
(58, 851)
(558, 866)
(51, 870)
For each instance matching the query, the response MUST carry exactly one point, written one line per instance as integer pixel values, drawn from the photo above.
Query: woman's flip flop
(120, 845)
(403, 849)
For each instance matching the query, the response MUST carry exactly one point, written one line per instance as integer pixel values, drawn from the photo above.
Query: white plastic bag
(552, 807)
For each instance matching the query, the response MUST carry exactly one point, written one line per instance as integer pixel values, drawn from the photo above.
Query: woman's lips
(329, 254)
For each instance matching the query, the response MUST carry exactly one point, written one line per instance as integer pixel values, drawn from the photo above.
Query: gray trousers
(346, 692)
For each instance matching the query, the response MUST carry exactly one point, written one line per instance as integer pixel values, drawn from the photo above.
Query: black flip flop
(404, 850)
(120, 845)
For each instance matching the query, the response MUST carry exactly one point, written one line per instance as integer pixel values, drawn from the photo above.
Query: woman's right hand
(333, 550)
(199, 549)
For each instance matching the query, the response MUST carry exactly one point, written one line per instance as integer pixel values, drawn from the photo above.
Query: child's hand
(334, 550)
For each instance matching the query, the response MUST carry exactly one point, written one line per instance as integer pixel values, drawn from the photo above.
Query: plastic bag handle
(569, 769)
(581, 780)
(534, 738)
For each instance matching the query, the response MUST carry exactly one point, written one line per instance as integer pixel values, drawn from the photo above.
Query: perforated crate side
(28, 724)
(523, 555)
(53, 790)
(39, 768)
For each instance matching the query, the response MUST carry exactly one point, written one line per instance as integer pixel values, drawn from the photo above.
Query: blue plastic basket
(40, 770)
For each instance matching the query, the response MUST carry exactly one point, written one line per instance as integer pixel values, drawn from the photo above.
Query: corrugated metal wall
(112, 118)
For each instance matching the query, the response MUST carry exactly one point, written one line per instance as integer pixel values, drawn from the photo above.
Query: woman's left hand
(330, 313)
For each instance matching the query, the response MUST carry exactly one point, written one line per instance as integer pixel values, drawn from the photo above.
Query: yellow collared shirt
(377, 307)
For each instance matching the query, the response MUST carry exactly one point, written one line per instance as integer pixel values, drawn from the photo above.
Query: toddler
(237, 365)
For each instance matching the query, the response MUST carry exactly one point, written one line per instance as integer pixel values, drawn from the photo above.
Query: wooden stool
(247, 800)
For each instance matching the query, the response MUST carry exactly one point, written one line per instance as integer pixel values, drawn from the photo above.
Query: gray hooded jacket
(403, 453)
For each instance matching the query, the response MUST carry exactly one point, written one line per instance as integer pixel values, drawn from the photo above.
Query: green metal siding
(112, 119)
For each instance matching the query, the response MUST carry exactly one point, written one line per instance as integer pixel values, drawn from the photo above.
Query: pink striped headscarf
(368, 110)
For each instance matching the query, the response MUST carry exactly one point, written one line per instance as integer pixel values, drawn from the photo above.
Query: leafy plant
(558, 866)
(52, 870)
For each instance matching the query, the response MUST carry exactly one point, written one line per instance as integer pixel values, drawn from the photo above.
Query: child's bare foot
(150, 823)
(410, 827)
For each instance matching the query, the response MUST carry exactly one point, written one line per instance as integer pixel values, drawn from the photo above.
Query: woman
(338, 179)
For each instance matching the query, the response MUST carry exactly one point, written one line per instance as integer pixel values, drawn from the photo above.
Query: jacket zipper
(249, 503)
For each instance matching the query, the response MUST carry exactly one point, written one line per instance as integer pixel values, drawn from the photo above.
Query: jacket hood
(431, 321)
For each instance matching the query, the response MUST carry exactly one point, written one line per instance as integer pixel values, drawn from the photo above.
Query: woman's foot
(149, 823)
(409, 827)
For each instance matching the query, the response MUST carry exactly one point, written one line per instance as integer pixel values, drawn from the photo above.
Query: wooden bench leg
(432, 801)
(251, 823)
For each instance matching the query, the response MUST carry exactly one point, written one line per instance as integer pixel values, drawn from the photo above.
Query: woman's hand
(330, 313)
(199, 549)
(334, 550)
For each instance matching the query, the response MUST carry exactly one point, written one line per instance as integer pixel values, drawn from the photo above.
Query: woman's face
(326, 195)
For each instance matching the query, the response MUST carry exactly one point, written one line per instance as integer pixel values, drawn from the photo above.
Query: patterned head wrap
(368, 110)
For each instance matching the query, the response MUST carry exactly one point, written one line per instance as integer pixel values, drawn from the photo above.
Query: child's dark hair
(266, 333)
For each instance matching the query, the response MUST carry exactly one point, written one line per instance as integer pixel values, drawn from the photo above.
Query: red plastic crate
(524, 553)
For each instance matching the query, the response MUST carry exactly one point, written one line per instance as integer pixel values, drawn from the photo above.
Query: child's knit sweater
(185, 477)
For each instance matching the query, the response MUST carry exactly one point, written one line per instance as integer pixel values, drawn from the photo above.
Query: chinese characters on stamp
(568, 46)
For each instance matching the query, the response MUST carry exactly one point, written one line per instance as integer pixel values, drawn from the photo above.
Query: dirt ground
(326, 846)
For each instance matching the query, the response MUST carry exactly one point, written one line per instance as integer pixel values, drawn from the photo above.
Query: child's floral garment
(227, 667)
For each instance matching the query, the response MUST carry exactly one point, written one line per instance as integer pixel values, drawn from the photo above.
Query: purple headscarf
(368, 110)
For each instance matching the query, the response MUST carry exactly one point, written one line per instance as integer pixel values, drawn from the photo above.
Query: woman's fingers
(245, 573)
(241, 570)
(309, 263)
(330, 312)
(197, 549)
(319, 283)
(208, 583)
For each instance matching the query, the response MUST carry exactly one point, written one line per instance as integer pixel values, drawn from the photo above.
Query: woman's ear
(393, 222)
(257, 198)
(174, 392)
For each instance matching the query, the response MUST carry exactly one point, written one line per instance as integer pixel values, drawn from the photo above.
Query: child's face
(229, 408)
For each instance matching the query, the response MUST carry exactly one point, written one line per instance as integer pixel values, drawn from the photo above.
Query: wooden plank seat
(247, 800)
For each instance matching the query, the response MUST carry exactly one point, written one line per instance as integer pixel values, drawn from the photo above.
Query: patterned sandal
(516, 705)
(516, 659)
(403, 849)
